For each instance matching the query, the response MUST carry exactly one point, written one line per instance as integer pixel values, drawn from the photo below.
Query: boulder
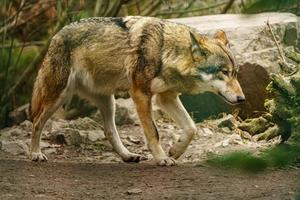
(254, 80)
(18, 115)
(18, 147)
(255, 51)
(125, 113)
(249, 37)
(227, 121)
(76, 132)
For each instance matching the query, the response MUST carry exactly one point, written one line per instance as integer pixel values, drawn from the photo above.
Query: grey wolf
(152, 59)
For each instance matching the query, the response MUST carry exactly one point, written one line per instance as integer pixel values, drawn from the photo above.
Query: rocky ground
(83, 165)
(83, 139)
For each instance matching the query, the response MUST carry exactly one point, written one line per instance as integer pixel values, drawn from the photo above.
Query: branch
(188, 7)
(33, 43)
(192, 10)
(150, 8)
(285, 65)
(228, 6)
(37, 61)
(114, 9)
(18, 22)
(276, 42)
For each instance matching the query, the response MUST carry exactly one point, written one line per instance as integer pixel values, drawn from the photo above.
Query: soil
(22, 179)
(90, 169)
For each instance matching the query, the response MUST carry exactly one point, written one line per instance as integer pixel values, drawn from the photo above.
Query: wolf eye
(225, 72)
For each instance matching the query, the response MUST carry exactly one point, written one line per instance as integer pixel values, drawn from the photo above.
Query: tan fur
(149, 57)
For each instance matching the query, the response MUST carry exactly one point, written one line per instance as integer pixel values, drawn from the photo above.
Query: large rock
(18, 115)
(249, 36)
(18, 147)
(75, 132)
(125, 112)
(255, 52)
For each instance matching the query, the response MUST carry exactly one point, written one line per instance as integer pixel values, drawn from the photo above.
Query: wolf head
(215, 67)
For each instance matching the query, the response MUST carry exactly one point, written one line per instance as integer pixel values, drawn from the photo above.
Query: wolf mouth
(226, 100)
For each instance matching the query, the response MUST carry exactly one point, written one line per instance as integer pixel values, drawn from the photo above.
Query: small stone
(134, 191)
(133, 139)
(44, 144)
(10, 133)
(49, 151)
(95, 135)
(207, 132)
(227, 122)
(226, 130)
(245, 135)
(26, 125)
(73, 137)
(225, 143)
(126, 112)
(14, 147)
(19, 115)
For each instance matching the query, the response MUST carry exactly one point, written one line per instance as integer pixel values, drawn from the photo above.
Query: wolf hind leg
(44, 111)
(106, 105)
(170, 103)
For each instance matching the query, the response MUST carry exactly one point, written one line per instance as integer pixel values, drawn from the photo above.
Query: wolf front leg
(143, 106)
(170, 103)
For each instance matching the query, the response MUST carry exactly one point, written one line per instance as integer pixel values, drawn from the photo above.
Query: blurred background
(26, 27)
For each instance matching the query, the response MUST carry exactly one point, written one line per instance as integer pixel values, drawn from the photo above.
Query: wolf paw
(176, 151)
(132, 157)
(38, 157)
(166, 162)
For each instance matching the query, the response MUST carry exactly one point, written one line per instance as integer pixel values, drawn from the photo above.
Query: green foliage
(285, 106)
(285, 111)
(239, 160)
(20, 58)
(278, 157)
(257, 6)
(13, 62)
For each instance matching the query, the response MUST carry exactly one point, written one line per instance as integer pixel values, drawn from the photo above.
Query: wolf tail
(52, 77)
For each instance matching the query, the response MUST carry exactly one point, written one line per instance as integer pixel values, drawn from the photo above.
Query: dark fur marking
(156, 132)
(162, 40)
(210, 69)
(60, 65)
(232, 59)
(142, 63)
(120, 22)
(143, 60)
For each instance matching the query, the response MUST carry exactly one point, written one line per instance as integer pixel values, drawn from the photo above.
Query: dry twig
(191, 10)
(33, 43)
(284, 64)
(228, 6)
(37, 61)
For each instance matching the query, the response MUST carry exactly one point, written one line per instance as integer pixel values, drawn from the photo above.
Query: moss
(255, 125)
(284, 107)
(268, 134)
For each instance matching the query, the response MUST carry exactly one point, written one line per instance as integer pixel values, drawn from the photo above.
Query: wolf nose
(240, 99)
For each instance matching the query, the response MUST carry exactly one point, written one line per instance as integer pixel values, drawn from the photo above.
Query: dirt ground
(22, 179)
(86, 167)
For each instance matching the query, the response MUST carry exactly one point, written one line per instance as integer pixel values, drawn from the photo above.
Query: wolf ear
(221, 36)
(197, 45)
